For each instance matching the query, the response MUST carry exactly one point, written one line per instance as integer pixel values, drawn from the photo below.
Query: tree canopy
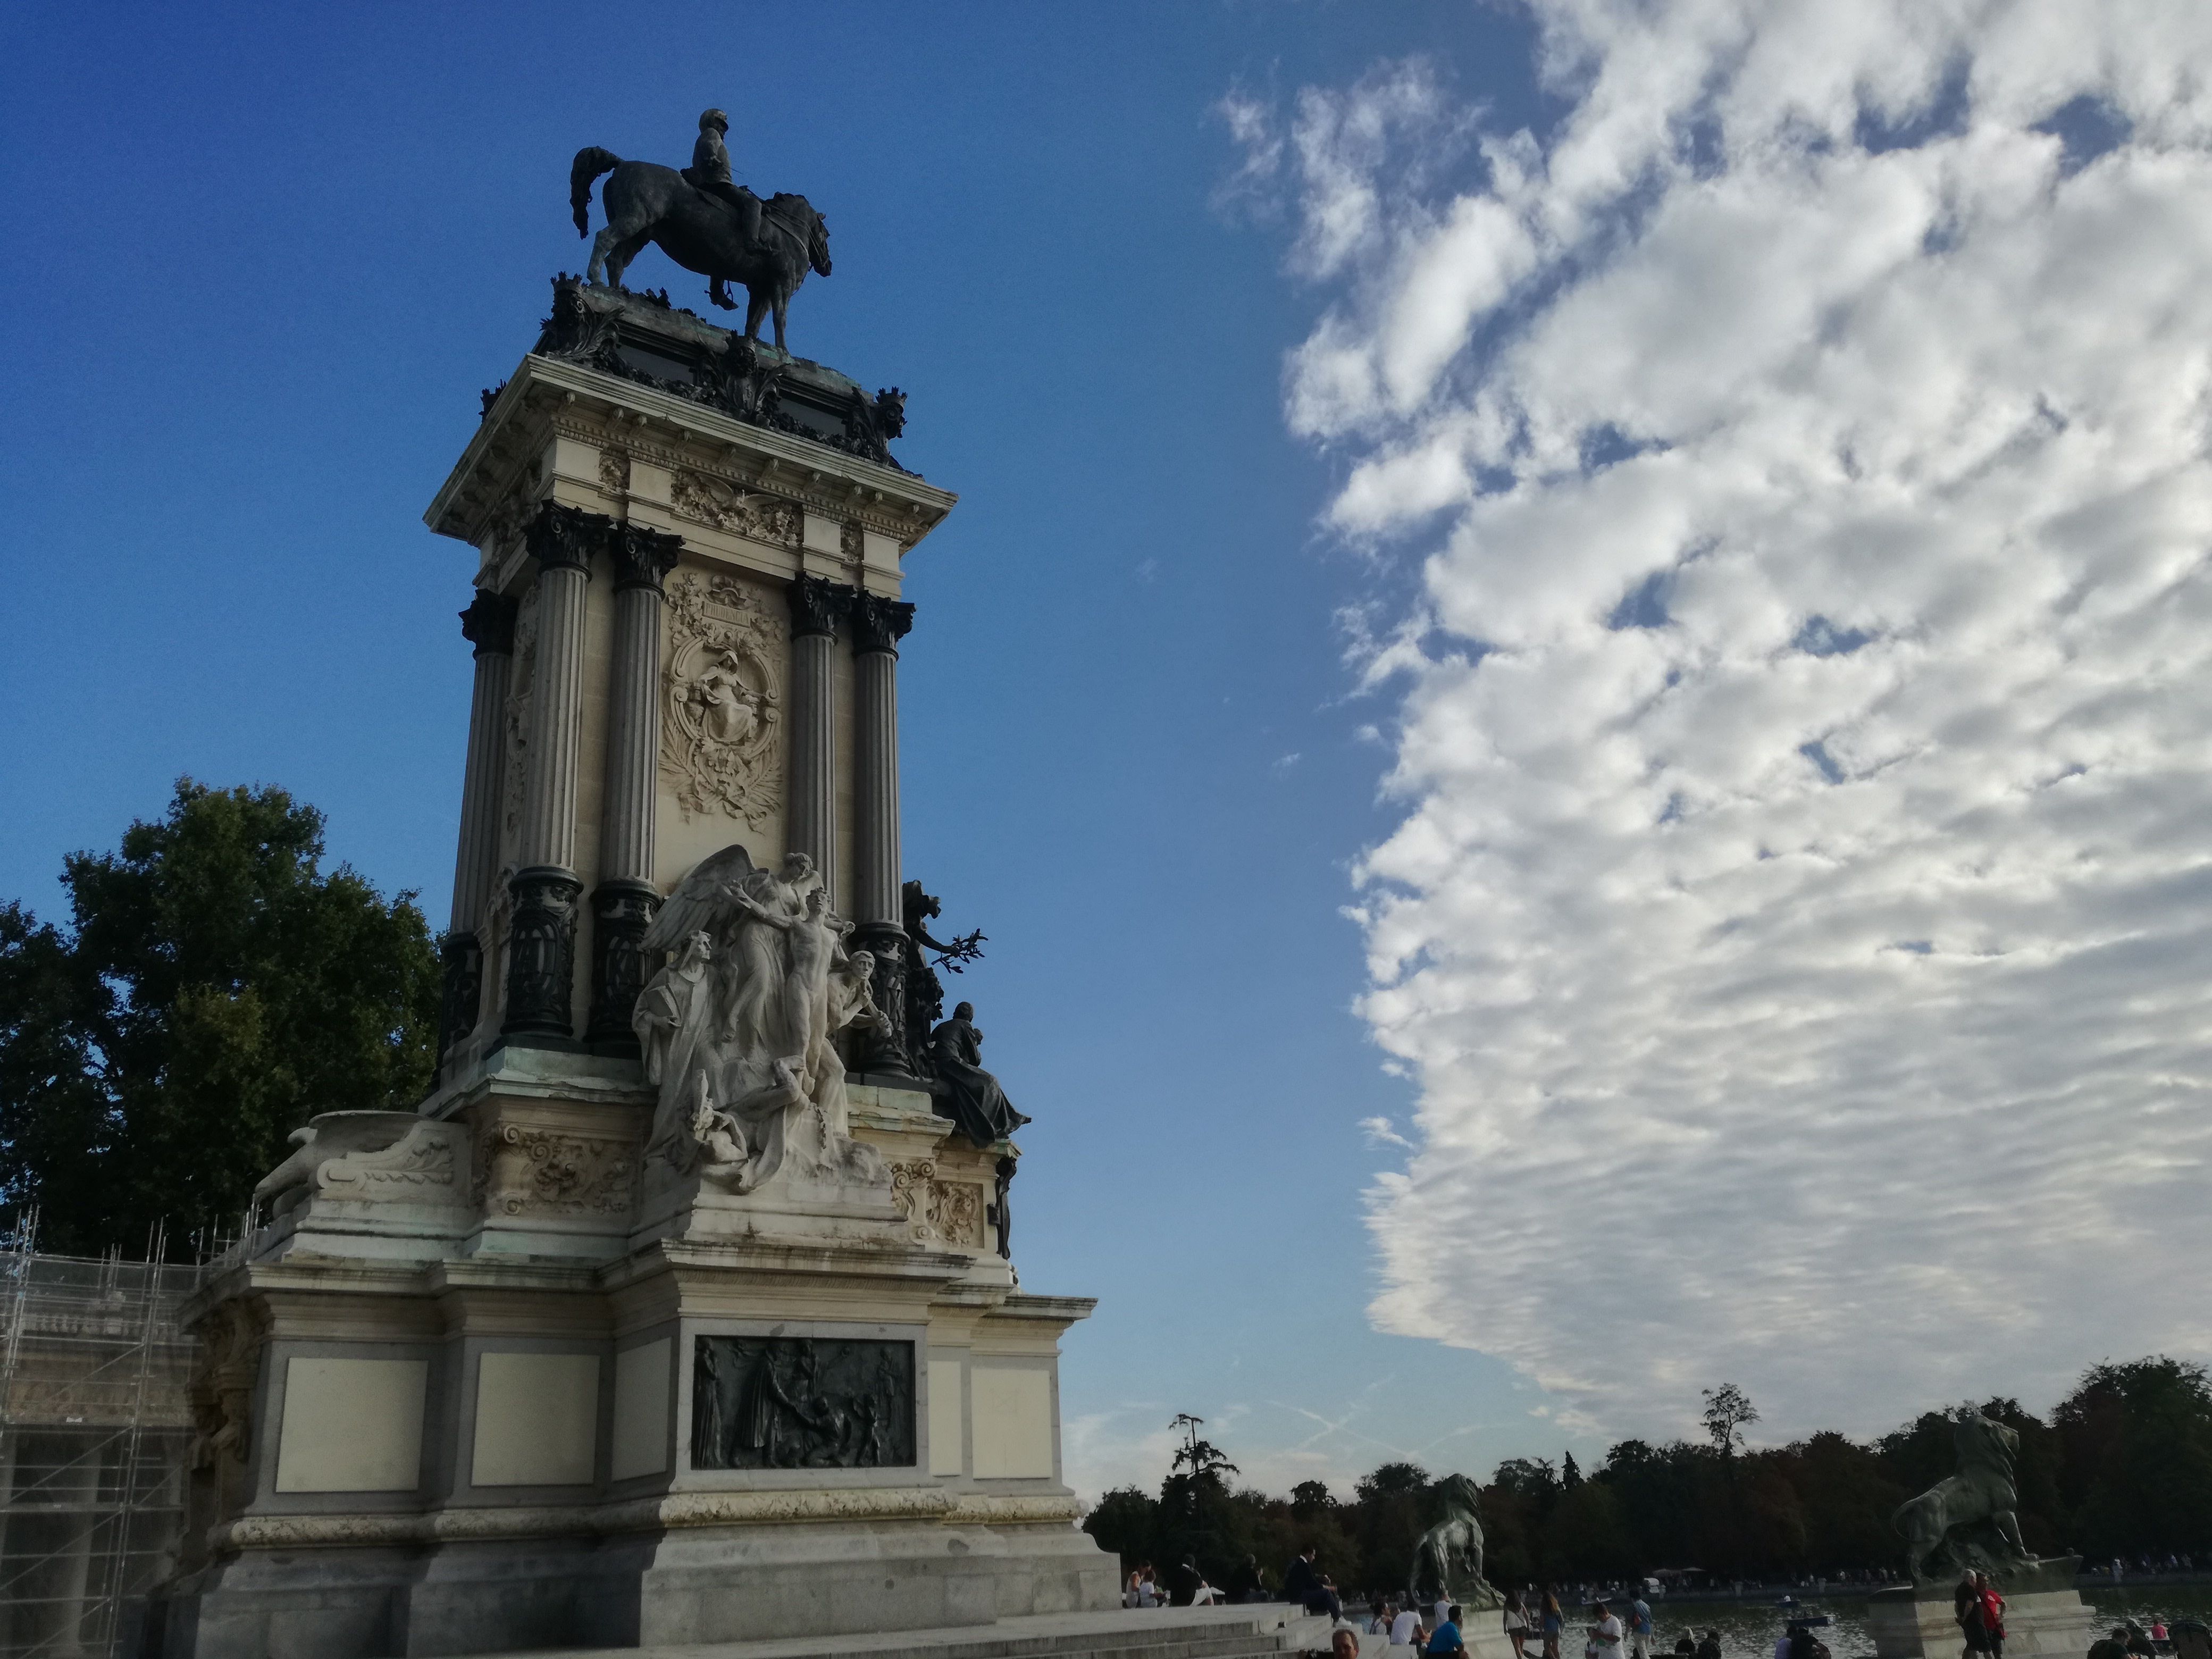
(214, 990)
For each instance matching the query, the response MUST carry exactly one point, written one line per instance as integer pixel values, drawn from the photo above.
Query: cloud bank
(1798, 923)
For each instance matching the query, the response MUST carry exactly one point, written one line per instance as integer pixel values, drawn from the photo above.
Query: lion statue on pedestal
(1448, 1560)
(1968, 1521)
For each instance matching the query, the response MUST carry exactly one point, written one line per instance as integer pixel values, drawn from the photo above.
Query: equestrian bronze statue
(702, 229)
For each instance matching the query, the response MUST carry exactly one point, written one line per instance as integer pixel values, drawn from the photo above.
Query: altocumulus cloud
(1798, 923)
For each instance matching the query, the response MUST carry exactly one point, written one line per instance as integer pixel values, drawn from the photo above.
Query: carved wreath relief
(790, 1402)
(721, 707)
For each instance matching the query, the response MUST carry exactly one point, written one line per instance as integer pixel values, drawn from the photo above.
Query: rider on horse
(710, 171)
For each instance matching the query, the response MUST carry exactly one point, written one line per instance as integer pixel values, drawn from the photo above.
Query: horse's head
(817, 246)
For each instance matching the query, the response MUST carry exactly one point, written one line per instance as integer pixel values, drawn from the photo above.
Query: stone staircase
(1269, 1631)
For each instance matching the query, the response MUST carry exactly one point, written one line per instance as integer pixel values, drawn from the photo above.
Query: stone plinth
(2040, 1619)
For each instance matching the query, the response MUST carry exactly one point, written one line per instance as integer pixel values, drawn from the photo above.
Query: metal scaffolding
(95, 1430)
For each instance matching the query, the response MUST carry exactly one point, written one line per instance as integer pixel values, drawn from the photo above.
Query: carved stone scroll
(537, 1171)
(941, 1212)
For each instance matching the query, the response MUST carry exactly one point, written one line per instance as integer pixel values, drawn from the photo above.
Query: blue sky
(279, 250)
(1571, 680)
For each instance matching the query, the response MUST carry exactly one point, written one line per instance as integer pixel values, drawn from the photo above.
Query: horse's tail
(591, 161)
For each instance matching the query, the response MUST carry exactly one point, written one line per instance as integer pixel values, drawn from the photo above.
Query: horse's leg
(627, 250)
(756, 308)
(783, 302)
(597, 270)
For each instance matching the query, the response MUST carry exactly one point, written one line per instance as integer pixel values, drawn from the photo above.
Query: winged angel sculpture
(737, 1029)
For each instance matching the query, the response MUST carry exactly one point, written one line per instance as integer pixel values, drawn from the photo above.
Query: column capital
(565, 538)
(489, 623)
(642, 557)
(878, 624)
(817, 603)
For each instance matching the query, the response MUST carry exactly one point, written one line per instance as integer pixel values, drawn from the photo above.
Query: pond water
(1748, 1629)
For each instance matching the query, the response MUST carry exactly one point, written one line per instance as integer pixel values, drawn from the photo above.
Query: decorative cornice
(642, 557)
(878, 624)
(489, 623)
(565, 538)
(817, 603)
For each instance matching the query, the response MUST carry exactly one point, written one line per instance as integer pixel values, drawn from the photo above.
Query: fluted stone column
(816, 606)
(488, 625)
(879, 624)
(623, 902)
(541, 960)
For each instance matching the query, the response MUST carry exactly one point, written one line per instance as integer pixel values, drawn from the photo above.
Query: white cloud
(1381, 1132)
(1798, 922)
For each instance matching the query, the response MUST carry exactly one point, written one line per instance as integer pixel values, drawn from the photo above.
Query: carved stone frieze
(722, 701)
(941, 1212)
(614, 472)
(423, 1166)
(760, 518)
(850, 541)
(528, 1170)
(790, 1402)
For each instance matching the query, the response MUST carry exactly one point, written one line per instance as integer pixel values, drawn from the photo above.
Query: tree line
(2123, 1466)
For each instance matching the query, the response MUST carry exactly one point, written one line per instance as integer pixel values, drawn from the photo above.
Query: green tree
(217, 988)
(1125, 1521)
(2138, 1441)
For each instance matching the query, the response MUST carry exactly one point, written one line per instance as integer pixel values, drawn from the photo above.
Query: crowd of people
(1535, 1619)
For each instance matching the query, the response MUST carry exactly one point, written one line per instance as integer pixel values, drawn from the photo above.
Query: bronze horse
(646, 204)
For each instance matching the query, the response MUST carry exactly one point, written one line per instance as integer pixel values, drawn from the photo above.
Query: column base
(622, 910)
(541, 952)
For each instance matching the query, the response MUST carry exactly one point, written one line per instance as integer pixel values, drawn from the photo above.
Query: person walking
(1991, 1608)
(1517, 1623)
(1554, 1623)
(1639, 1629)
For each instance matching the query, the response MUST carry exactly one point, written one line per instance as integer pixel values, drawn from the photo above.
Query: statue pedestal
(2044, 1615)
(470, 1393)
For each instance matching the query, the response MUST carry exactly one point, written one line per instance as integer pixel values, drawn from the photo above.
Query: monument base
(325, 1599)
(480, 1387)
(2044, 1614)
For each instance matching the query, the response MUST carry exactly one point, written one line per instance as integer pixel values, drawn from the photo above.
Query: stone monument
(684, 1309)
(1969, 1522)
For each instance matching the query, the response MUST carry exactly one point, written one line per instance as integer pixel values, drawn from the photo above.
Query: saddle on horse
(735, 197)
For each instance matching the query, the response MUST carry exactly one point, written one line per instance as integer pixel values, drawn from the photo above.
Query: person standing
(1554, 1623)
(1990, 1607)
(1604, 1631)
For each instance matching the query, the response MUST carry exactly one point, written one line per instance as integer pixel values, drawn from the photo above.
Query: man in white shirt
(1404, 1628)
(1605, 1633)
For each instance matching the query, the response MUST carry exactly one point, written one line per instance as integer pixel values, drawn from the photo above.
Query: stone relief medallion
(749, 514)
(721, 701)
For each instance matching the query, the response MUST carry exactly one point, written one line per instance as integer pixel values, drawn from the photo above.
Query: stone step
(1261, 1631)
